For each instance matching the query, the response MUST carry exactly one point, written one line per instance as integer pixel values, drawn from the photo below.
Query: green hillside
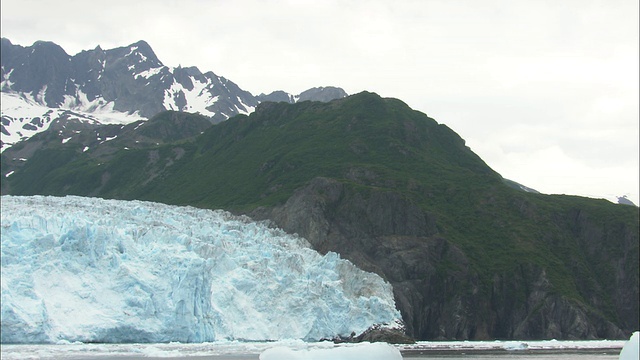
(261, 159)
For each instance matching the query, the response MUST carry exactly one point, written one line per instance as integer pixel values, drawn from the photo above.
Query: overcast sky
(546, 92)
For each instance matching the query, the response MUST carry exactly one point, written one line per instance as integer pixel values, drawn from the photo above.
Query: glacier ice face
(94, 270)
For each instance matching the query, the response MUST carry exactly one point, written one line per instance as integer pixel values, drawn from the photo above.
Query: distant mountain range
(42, 83)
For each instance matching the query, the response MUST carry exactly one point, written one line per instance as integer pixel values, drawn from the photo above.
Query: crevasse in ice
(94, 270)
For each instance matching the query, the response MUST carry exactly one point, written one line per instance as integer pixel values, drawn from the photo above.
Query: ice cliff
(94, 270)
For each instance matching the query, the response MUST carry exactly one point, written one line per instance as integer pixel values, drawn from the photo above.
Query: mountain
(322, 93)
(42, 83)
(623, 200)
(93, 270)
(396, 193)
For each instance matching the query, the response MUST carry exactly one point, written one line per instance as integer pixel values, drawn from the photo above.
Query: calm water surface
(515, 356)
(449, 356)
(251, 351)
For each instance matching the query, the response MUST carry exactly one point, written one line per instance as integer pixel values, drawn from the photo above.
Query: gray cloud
(545, 92)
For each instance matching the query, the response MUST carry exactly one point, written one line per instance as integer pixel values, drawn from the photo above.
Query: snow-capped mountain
(41, 83)
(129, 79)
(93, 270)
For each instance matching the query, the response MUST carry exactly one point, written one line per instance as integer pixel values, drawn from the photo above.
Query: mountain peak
(142, 48)
(141, 44)
(49, 47)
(322, 94)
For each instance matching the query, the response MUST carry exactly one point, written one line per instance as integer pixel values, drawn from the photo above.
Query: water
(236, 350)
(552, 355)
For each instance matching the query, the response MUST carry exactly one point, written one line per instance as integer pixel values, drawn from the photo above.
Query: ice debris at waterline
(369, 351)
(93, 270)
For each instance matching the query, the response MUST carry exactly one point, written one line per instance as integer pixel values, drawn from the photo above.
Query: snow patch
(28, 116)
(41, 95)
(6, 83)
(197, 99)
(246, 109)
(149, 73)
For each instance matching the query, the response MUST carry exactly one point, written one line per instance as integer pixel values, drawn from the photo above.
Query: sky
(546, 92)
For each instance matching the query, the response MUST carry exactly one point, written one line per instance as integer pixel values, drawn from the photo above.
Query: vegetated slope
(77, 158)
(399, 194)
(263, 158)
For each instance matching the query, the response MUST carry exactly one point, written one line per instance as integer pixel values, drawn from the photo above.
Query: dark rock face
(44, 64)
(437, 291)
(622, 284)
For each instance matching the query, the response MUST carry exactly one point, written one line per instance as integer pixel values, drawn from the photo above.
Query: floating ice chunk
(631, 351)
(515, 345)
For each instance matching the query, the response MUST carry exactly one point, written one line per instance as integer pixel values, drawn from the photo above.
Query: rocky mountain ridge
(41, 83)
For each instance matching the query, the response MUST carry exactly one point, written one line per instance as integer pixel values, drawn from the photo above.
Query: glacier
(96, 270)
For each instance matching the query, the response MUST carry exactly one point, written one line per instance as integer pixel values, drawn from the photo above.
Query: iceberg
(92, 270)
(630, 350)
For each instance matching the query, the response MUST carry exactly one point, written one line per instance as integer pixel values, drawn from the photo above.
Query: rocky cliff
(438, 291)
